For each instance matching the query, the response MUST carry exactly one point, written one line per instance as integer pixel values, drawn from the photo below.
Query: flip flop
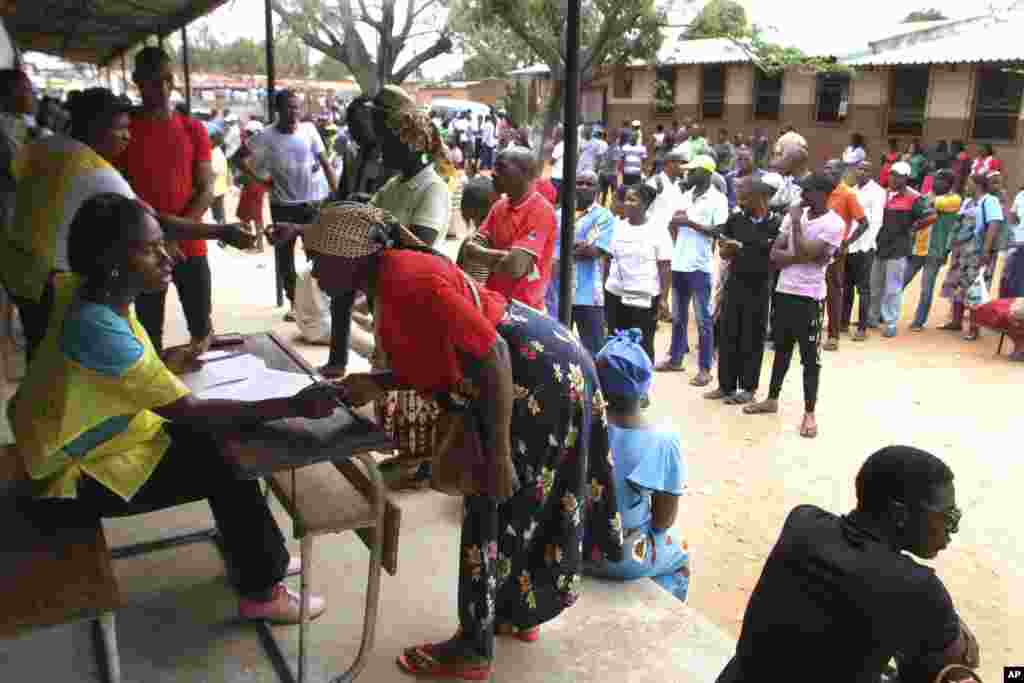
(417, 661)
(739, 399)
(699, 381)
(759, 409)
(809, 433)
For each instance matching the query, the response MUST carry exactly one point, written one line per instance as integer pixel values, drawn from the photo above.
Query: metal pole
(269, 16)
(570, 97)
(186, 67)
(124, 75)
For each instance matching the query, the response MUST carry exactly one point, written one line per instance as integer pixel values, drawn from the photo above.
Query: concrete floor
(180, 622)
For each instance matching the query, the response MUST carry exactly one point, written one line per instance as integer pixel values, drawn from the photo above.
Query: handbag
(458, 464)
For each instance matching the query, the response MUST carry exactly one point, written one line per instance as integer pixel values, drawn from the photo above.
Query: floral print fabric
(521, 560)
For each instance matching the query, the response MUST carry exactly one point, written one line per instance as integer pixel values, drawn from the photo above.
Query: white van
(447, 106)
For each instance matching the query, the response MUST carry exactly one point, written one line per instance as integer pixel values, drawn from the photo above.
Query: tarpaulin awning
(97, 31)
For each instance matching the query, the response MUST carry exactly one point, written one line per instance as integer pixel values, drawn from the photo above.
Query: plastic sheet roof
(97, 31)
(980, 43)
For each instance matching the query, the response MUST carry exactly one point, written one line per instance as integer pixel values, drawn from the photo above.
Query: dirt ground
(931, 390)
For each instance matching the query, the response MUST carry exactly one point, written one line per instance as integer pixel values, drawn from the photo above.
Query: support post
(186, 67)
(571, 102)
(271, 77)
(124, 75)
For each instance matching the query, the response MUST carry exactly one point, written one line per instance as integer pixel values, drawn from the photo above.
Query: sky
(793, 18)
(797, 21)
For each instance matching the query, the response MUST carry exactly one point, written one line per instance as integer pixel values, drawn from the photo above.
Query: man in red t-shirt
(168, 164)
(844, 202)
(517, 239)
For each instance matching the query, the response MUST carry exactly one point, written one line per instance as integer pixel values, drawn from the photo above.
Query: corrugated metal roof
(993, 42)
(702, 51)
(99, 30)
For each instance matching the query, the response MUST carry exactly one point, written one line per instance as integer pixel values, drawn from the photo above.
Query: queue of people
(576, 479)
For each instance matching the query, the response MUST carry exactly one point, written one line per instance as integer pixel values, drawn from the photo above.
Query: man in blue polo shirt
(594, 227)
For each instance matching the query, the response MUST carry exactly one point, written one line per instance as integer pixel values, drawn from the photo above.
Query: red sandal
(526, 635)
(420, 662)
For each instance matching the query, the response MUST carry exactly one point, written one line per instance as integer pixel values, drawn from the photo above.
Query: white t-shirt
(636, 251)
(487, 136)
(854, 155)
(558, 160)
(633, 159)
(292, 160)
(872, 197)
(669, 199)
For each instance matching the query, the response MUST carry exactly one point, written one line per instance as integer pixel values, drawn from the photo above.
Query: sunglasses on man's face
(950, 516)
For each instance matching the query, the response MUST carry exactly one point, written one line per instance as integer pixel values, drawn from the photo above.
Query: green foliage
(515, 102)
(530, 31)
(717, 18)
(924, 15)
(242, 56)
(330, 69)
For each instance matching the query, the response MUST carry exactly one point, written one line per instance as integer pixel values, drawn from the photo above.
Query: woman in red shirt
(547, 483)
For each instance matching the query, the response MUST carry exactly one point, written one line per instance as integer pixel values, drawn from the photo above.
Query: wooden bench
(52, 577)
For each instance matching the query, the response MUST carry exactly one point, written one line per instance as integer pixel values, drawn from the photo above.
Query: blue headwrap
(623, 366)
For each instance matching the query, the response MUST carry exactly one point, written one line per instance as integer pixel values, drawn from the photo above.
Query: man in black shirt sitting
(747, 243)
(838, 598)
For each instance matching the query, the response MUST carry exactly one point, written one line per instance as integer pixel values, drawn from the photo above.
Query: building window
(712, 96)
(623, 81)
(908, 96)
(996, 104)
(767, 95)
(832, 98)
(665, 90)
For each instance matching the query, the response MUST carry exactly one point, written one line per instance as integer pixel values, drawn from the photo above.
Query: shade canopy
(97, 31)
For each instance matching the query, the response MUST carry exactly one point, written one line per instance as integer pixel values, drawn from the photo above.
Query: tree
(611, 32)
(339, 30)
(717, 18)
(330, 69)
(924, 15)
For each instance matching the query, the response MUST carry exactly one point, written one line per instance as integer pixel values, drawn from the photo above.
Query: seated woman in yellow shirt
(107, 430)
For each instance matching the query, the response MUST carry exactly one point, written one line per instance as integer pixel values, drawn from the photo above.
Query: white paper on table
(259, 386)
(214, 355)
(223, 371)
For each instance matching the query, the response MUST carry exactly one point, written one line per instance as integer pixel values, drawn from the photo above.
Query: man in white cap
(906, 212)
(703, 212)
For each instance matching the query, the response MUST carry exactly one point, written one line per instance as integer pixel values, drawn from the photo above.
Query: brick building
(948, 80)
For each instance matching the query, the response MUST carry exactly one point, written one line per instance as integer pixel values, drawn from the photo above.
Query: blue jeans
(686, 286)
(589, 321)
(887, 290)
(930, 273)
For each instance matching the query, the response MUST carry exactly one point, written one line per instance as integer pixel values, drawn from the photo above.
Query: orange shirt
(844, 202)
(529, 226)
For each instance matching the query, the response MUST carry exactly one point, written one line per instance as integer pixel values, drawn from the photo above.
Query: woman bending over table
(547, 498)
(108, 430)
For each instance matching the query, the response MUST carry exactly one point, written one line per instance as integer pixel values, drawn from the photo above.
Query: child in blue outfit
(649, 472)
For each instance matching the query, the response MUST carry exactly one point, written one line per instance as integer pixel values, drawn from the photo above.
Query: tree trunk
(552, 113)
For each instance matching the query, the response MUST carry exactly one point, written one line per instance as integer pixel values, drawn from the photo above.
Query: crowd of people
(102, 214)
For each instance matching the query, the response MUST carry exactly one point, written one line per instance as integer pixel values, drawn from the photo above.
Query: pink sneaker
(282, 608)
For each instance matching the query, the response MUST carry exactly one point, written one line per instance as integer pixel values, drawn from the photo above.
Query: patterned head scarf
(352, 230)
(413, 126)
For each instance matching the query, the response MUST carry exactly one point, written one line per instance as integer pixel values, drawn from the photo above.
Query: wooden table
(308, 465)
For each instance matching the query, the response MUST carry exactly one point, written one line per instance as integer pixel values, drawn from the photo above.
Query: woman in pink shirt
(810, 235)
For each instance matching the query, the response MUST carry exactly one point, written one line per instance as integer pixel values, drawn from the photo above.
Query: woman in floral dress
(547, 497)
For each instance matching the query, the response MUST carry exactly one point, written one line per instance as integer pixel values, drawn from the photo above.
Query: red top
(547, 190)
(159, 162)
(529, 226)
(427, 314)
